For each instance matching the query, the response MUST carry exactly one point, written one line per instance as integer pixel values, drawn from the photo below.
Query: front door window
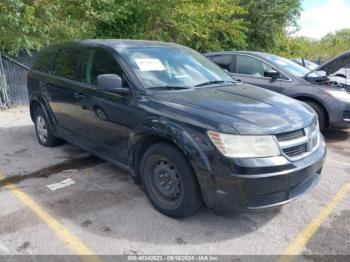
(248, 65)
(99, 62)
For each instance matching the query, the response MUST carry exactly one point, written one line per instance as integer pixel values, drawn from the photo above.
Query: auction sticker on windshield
(149, 64)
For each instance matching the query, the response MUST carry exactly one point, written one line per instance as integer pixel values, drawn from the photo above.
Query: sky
(320, 17)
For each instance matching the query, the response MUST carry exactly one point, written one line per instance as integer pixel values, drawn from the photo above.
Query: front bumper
(259, 190)
(341, 119)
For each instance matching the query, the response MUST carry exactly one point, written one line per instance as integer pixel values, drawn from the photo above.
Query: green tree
(268, 21)
(325, 48)
(30, 24)
(295, 46)
(201, 24)
(204, 25)
(336, 42)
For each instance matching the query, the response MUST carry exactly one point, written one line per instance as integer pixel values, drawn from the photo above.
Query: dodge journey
(178, 123)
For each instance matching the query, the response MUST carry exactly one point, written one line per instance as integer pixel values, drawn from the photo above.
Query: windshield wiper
(169, 87)
(213, 82)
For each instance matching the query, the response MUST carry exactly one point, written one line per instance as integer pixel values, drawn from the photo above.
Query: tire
(43, 130)
(169, 181)
(322, 118)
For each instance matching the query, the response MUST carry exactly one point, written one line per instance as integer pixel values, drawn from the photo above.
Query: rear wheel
(169, 181)
(44, 130)
(322, 118)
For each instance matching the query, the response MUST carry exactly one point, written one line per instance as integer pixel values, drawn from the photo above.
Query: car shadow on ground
(335, 135)
(336, 140)
(105, 201)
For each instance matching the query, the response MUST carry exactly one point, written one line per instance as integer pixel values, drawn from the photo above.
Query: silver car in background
(328, 95)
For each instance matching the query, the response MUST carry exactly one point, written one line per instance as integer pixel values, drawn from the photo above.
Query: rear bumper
(260, 191)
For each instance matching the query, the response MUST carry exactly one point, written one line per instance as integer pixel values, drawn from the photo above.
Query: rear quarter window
(44, 60)
(224, 61)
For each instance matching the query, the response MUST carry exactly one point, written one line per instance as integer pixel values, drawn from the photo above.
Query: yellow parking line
(60, 230)
(304, 236)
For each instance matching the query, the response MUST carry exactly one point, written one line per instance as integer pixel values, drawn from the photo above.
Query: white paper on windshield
(149, 64)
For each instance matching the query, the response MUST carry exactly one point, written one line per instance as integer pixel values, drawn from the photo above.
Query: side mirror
(321, 73)
(111, 83)
(271, 73)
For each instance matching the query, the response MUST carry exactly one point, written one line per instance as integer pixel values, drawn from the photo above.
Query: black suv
(177, 122)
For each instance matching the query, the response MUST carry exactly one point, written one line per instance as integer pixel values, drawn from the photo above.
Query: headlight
(339, 94)
(239, 146)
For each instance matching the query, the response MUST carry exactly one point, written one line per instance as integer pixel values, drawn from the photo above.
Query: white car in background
(343, 72)
(336, 69)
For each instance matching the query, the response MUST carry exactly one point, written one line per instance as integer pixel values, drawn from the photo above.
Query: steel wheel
(169, 181)
(165, 182)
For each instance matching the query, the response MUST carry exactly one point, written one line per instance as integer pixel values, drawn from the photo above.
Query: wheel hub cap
(166, 180)
(41, 128)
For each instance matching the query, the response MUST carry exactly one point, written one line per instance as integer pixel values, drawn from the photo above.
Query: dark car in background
(328, 98)
(177, 123)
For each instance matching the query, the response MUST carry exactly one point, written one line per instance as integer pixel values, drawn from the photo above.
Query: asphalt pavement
(101, 211)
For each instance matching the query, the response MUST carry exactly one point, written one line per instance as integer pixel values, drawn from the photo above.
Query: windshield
(164, 67)
(288, 65)
(310, 65)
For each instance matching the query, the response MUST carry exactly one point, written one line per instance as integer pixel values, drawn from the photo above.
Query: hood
(251, 110)
(333, 65)
(345, 82)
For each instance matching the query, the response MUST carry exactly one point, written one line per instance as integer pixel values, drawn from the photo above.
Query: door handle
(79, 95)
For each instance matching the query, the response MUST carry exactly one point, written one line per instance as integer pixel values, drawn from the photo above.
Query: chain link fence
(13, 79)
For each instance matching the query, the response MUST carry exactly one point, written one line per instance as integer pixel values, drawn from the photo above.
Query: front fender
(190, 140)
(310, 96)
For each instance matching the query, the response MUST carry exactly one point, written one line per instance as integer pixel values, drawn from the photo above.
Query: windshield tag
(149, 64)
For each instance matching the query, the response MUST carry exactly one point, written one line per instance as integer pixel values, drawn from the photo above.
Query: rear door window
(224, 61)
(67, 62)
(98, 62)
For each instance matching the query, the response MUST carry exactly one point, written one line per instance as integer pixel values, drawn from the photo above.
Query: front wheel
(322, 118)
(169, 181)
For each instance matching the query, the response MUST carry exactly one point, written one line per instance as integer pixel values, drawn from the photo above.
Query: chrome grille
(290, 135)
(295, 150)
(299, 143)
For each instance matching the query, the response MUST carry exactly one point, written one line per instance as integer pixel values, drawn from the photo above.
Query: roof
(261, 54)
(117, 44)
